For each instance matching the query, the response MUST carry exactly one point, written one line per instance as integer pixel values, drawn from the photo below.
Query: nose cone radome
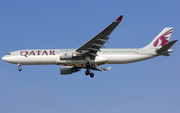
(7, 59)
(4, 58)
(10, 59)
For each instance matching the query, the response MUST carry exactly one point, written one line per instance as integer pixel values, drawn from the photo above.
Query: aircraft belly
(82, 63)
(122, 59)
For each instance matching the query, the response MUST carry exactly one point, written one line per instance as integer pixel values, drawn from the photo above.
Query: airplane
(90, 55)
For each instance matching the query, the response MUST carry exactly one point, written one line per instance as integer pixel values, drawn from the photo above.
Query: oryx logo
(163, 39)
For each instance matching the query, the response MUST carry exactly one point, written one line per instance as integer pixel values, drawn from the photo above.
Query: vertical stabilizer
(161, 39)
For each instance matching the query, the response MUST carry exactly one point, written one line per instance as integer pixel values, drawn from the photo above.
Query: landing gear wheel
(91, 75)
(92, 66)
(88, 64)
(19, 69)
(87, 72)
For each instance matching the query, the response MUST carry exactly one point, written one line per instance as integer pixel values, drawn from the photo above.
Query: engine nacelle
(68, 56)
(68, 70)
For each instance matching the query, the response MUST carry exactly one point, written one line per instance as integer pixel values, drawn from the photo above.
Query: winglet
(119, 18)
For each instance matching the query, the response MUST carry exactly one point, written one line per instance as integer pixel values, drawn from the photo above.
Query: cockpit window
(9, 54)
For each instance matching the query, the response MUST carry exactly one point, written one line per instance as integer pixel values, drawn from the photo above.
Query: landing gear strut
(19, 67)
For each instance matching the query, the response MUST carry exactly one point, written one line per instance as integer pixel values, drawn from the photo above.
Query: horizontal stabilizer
(166, 54)
(166, 47)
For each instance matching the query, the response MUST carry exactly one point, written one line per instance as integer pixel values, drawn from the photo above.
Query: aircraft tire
(88, 64)
(19, 69)
(92, 66)
(91, 75)
(87, 72)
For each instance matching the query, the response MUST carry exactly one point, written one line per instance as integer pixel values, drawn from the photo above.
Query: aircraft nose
(4, 58)
(8, 59)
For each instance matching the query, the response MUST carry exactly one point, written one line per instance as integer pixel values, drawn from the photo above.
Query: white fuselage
(52, 56)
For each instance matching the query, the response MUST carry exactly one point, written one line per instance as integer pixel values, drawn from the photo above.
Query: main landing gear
(88, 72)
(89, 66)
(19, 67)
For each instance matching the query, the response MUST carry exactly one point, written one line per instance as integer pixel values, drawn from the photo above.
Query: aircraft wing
(93, 46)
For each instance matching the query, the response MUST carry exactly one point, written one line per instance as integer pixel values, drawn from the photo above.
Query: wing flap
(102, 69)
(104, 40)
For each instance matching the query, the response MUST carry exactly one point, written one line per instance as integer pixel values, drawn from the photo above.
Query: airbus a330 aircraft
(90, 55)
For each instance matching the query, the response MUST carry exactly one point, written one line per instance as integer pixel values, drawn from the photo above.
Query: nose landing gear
(19, 67)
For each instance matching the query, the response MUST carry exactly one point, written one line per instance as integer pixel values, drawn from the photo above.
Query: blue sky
(150, 86)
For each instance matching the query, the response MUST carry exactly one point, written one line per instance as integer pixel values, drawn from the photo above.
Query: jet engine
(68, 56)
(68, 70)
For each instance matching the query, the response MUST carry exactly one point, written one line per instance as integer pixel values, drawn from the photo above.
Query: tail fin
(161, 39)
